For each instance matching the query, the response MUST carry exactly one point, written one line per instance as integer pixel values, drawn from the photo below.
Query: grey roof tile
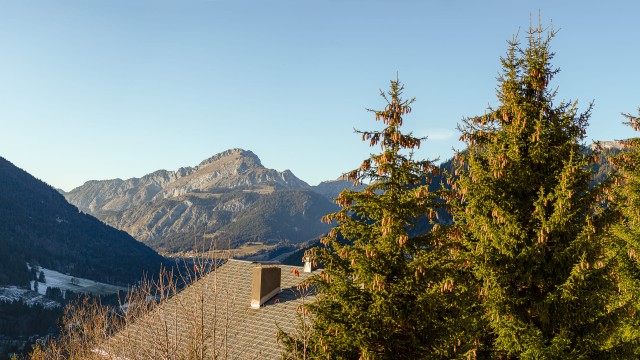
(228, 325)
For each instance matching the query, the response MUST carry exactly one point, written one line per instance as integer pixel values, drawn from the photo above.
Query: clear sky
(93, 90)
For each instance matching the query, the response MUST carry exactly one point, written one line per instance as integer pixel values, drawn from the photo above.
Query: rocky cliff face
(97, 197)
(169, 209)
(231, 169)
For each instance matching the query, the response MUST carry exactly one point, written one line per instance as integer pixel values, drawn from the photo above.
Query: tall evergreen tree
(385, 291)
(626, 233)
(534, 227)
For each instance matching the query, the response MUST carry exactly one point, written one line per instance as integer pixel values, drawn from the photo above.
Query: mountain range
(228, 200)
(231, 198)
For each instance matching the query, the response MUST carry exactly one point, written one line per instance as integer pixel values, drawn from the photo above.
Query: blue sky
(120, 88)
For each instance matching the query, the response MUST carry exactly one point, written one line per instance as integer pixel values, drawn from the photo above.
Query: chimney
(308, 266)
(265, 284)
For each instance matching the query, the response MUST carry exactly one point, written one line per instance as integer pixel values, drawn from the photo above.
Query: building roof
(214, 317)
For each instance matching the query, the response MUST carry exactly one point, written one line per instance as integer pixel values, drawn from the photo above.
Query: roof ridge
(266, 262)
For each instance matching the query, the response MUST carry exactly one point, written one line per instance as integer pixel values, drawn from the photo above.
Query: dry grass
(91, 330)
(208, 319)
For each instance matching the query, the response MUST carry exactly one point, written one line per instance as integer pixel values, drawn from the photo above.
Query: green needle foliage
(626, 232)
(534, 228)
(385, 292)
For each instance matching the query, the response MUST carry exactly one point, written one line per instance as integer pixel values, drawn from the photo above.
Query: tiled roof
(216, 312)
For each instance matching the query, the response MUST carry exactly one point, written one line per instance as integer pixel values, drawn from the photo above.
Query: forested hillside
(39, 226)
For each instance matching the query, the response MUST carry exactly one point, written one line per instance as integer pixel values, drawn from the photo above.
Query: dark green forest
(38, 226)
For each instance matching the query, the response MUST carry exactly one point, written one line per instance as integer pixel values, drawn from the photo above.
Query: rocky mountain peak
(231, 187)
(231, 154)
(230, 169)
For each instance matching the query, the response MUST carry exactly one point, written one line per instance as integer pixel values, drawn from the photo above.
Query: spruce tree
(626, 234)
(387, 292)
(534, 228)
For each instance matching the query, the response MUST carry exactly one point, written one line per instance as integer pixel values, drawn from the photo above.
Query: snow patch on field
(59, 280)
(75, 284)
(29, 297)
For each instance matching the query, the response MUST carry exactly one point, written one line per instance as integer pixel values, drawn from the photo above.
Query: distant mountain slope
(332, 188)
(38, 225)
(280, 216)
(603, 168)
(230, 196)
